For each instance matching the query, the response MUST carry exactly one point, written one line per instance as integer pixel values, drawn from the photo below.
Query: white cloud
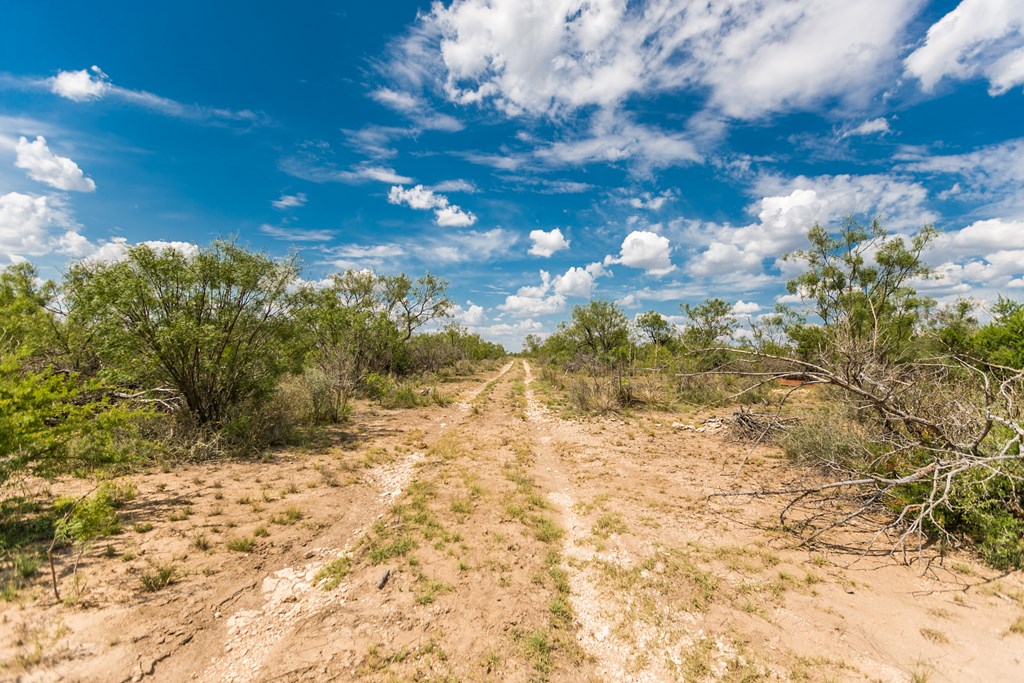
(534, 300)
(455, 185)
(418, 197)
(396, 99)
(360, 257)
(742, 307)
(978, 38)
(576, 282)
(979, 238)
(297, 234)
(308, 167)
(470, 246)
(651, 202)
(92, 84)
(289, 201)
(117, 248)
(379, 173)
(547, 243)
(550, 295)
(788, 209)
(80, 86)
(33, 225)
(46, 167)
(417, 109)
(470, 316)
(993, 174)
(453, 216)
(647, 250)
(548, 57)
(613, 138)
(879, 126)
(510, 335)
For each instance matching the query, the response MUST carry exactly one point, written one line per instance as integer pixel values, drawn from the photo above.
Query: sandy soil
(499, 539)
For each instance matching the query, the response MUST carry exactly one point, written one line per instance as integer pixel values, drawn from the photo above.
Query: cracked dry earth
(498, 539)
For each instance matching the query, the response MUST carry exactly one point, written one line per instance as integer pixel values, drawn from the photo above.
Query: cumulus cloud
(423, 199)
(646, 250)
(979, 38)
(117, 248)
(470, 316)
(32, 225)
(980, 261)
(551, 294)
(787, 210)
(80, 86)
(547, 57)
(534, 300)
(742, 307)
(510, 335)
(546, 243)
(289, 201)
(576, 282)
(46, 167)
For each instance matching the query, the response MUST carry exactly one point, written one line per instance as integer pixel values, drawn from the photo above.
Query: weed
(180, 515)
(260, 532)
(935, 636)
(26, 565)
(608, 524)
(429, 590)
(291, 515)
(241, 544)
(201, 542)
(142, 527)
(159, 578)
(396, 548)
(1018, 626)
(461, 507)
(546, 530)
(538, 647)
(333, 573)
(561, 611)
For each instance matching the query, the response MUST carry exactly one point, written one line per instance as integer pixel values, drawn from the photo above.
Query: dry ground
(497, 539)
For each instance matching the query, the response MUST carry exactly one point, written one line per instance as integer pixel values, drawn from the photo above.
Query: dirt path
(498, 539)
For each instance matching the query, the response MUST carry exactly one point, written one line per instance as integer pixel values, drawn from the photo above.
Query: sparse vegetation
(241, 544)
(158, 578)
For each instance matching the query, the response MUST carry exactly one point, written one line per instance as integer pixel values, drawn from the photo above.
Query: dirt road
(496, 539)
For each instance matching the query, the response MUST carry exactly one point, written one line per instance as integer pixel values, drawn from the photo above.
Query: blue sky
(535, 153)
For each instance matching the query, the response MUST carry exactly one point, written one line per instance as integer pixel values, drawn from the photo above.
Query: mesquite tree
(935, 428)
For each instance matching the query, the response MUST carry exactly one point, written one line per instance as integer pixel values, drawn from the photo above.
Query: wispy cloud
(309, 167)
(92, 84)
(289, 201)
(297, 234)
